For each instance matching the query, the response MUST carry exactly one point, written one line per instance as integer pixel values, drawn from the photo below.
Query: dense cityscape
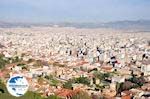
(72, 63)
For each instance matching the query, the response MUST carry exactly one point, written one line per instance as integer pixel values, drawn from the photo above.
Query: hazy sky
(73, 10)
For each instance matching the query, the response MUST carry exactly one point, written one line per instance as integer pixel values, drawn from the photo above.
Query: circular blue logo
(17, 85)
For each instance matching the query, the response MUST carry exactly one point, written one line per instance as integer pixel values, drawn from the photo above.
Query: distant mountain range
(139, 24)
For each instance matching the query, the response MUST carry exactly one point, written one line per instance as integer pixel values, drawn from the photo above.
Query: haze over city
(73, 10)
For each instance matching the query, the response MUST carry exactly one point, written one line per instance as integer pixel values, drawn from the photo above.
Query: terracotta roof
(82, 63)
(126, 97)
(106, 68)
(66, 92)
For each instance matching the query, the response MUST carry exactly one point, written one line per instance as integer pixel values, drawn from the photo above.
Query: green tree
(16, 59)
(3, 61)
(25, 67)
(99, 75)
(68, 84)
(2, 87)
(107, 75)
(53, 81)
(119, 88)
(31, 95)
(30, 60)
(52, 97)
(82, 80)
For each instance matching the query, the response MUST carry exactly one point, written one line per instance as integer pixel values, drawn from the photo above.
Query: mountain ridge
(126, 24)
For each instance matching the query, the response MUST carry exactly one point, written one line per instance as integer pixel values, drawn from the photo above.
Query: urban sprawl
(76, 63)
